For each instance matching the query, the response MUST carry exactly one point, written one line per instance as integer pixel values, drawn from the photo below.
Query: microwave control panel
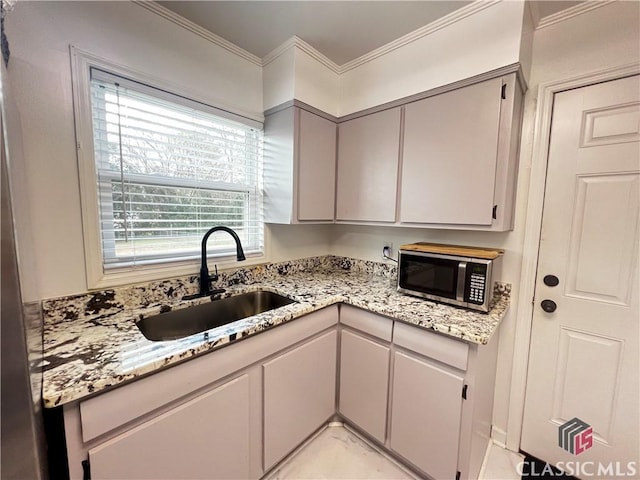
(476, 283)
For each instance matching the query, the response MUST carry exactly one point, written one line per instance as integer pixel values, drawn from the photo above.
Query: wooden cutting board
(459, 250)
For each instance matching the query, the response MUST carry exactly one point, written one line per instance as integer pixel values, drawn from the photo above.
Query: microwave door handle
(462, 275)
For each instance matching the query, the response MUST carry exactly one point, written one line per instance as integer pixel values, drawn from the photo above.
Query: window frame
(97, 276)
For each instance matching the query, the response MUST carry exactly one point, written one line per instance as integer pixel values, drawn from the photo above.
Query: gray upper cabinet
(460, 157)
(299, 167)
(446, 158)
(368, 150)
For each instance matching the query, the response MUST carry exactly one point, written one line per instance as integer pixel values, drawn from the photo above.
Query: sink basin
(199, 318)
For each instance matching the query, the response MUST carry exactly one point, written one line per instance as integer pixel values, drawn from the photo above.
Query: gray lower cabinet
(425, 397)
(223, 415)
(205, 438)
(364, 376)
(425, 415)
(299, 395)
(236, 412)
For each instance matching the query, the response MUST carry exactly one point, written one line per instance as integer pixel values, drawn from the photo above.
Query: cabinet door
(449, 156)
(316, 167)
(299, 395)
(368, 149)
(425, 416)
(364, 373)
(205, 438)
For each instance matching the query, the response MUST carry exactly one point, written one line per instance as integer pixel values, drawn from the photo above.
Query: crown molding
(278, 51)
(421, 32)
(574, 11)
(198, 30)
(317, 55)
(534, 11)
(296, 41)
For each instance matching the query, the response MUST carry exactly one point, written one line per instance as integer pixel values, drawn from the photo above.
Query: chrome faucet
(205, 278)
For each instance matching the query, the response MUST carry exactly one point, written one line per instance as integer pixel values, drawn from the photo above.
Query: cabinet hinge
(494, 214)
(86, 470)
(464, 391)
(458, 475)
(504, 91)
(78, 146)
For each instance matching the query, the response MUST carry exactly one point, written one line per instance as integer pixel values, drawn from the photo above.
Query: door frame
(533, 228)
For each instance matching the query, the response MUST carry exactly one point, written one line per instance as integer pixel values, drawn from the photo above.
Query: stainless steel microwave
(457, 275)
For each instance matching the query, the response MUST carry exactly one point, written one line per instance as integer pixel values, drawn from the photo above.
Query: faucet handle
(215, 276)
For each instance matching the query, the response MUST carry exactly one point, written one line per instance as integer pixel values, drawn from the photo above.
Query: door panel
(584, 355)
(587, 359)
(590, 274)
(611, 125)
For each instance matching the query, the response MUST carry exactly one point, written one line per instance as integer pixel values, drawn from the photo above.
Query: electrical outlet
(387, 250)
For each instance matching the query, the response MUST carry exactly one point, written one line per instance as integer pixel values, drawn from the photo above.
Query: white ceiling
(341, 30)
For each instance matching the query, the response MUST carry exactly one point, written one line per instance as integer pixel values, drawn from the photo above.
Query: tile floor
(500, 464)
(337, 453)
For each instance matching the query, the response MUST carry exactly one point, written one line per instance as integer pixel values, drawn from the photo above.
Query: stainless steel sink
(199, 318)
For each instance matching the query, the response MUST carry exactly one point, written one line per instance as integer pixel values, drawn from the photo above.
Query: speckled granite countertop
(91, 342)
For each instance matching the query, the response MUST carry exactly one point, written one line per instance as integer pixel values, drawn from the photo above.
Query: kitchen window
(166, 169)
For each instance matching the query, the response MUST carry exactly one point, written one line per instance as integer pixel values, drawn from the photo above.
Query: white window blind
(168, 169)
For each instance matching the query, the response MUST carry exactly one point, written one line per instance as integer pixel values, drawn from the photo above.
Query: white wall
(605, 37)
(602, 38)
(315, 84)
(484, 41)
(40, 34)
(288, 242)
(294, 73)
(278, 79)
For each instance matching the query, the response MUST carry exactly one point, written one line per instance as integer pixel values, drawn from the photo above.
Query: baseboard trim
(499, 437)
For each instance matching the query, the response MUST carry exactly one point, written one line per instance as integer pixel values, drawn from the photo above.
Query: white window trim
(97, 278)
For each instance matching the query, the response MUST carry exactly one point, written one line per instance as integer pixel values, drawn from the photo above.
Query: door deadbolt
(551, 280)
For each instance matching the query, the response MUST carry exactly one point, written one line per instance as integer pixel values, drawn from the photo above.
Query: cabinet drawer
(367, 322)
(440, 348)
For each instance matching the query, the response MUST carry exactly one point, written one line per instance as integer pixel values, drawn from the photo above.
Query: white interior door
(584, 355)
